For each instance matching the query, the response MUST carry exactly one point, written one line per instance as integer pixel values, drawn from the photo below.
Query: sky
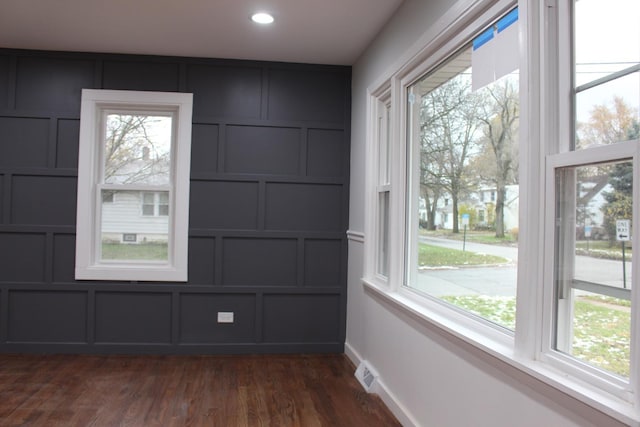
(607, 39)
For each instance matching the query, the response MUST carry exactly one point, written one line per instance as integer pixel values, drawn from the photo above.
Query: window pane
(121, 220)
(593, 270)
(609, 113)
(384, 128)
(463, 209)
(137, 149)
(607, 37)
(607, 55)
(107, 196)
(148, 203)
(148, 198)
(383, 233)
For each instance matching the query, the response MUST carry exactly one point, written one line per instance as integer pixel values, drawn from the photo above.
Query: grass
(601, 326)
(436, 256)
(139, 252)
(602, 249)
(601, 335)
(500, 310)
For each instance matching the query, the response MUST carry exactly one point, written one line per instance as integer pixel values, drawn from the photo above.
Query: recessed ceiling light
(262, 18)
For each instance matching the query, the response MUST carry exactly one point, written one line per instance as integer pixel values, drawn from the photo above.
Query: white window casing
(96, 104)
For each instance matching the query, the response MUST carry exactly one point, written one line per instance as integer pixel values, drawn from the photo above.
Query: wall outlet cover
(225, 317)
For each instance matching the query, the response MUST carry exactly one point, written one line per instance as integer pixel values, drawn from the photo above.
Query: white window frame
(379, 156)
(94, 103)
(610, 383)
(547, 124)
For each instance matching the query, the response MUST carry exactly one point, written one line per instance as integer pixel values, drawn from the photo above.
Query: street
(501, 280)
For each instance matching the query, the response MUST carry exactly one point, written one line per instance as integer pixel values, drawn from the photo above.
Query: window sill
(497, 347)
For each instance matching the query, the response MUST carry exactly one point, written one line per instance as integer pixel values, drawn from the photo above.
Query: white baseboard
(381, 390)
(352, 354)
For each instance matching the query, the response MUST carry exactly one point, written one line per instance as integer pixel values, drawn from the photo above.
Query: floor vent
(366, 376)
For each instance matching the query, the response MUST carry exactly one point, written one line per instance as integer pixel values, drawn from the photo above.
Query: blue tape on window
(507, 20)
(483, 38)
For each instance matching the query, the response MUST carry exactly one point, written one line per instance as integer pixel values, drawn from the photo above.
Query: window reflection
(135, 226)
(137, 149)
(464, 206)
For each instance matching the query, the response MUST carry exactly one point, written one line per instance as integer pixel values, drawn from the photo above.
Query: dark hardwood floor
(274, 390)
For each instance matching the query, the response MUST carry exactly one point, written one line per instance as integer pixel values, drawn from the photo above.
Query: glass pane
(607, 37)
(137, 149)
(463, 221)
(383, 233)
(593, 270)
(163, 210)
(384, 123)
(148, 198)
(609, 113)
(128, 236)
(107, 196)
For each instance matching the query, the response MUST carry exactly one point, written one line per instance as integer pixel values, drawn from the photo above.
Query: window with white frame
(155, 203)
(592, 181)
(560, 137)
(462, 143)
(383, 187)
(133, 180)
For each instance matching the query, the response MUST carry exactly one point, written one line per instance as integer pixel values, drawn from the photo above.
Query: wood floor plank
(257, 390)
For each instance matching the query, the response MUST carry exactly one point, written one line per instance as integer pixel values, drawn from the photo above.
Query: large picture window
(503, 203)
(463, 157)
(133, 186)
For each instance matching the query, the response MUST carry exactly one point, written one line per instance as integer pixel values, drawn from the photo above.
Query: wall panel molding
(268, 211)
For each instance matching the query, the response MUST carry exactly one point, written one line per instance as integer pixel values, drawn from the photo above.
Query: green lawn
(500, 310)
(141, 252)
(601, 335)
(436, 256)
(601, 327)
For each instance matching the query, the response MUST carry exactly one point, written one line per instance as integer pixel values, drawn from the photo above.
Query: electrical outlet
(225, 317)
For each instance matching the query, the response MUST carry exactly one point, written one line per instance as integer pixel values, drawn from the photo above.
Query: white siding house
(135, 216)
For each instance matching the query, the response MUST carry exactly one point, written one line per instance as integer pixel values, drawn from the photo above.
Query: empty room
(320, 213)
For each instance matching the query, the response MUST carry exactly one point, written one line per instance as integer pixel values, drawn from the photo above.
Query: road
(501, 280)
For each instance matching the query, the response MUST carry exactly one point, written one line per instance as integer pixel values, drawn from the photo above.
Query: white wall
(427, 377)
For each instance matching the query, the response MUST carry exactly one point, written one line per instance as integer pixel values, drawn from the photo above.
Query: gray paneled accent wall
(268, 209)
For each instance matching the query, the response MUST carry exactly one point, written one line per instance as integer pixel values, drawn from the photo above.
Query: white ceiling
(310, 31)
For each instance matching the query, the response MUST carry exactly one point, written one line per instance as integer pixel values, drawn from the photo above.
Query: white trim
(495, 352)
(94, 102)
(390, 400)
(395, 405)
(352, 354)
(355, 236)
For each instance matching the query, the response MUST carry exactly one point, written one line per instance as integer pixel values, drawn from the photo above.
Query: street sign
(587, 231)
(623, 230)
(465, 219)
